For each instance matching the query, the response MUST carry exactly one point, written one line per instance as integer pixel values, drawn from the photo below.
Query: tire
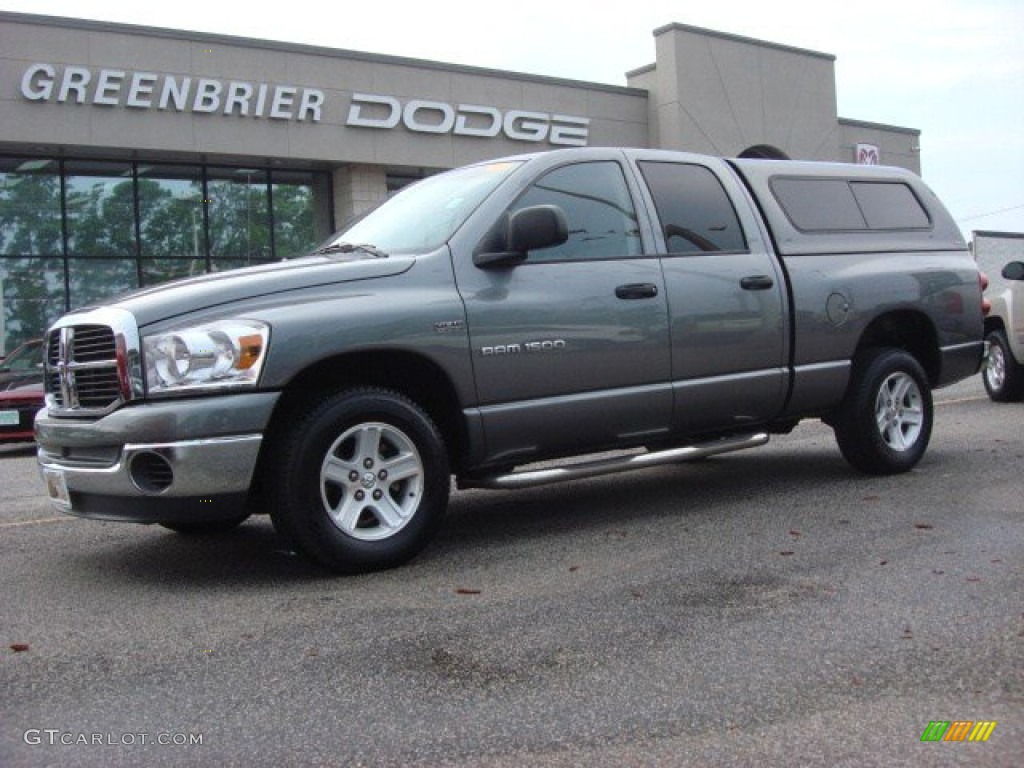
(211, 528)
(1003, 376)
(360, 481)
(885, 421)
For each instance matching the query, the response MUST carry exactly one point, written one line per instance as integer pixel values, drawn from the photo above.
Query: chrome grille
(90, 367)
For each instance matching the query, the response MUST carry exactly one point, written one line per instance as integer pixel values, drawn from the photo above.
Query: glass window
(30, 208)
(596, 200)
(171, 212)
(95, 280)
(695, 212)
(155, 271)
(819, 205)
(239, 214)
(295, 209)
(888, 205)
(100, 209)
(423, 216)
(223, 265)
(31, 298)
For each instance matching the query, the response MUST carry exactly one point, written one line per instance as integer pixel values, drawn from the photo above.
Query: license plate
(57, 488)
(9, 418)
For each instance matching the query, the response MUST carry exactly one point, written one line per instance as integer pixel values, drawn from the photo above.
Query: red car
(18, 409)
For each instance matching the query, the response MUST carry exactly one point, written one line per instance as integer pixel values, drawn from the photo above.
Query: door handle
(637, 291)
(756, 283)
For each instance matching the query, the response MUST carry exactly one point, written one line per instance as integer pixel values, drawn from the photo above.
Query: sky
(953, 69)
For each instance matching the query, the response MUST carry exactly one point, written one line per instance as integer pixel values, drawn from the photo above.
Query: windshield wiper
(372, 250)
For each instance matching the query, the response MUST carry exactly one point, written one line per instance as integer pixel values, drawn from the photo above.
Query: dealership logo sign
(371, 110)
(42, 82)
(867, 154)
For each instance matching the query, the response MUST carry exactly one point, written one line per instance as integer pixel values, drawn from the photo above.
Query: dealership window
(75, 232)
(239, 214)
(31, 297)
(294, 214)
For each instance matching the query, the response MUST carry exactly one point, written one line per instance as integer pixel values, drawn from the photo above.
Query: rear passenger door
(726, 299)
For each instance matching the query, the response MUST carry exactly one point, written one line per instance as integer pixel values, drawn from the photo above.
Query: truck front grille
(89, 368)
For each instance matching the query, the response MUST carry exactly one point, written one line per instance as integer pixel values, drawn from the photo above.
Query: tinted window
(695, 212)
(831, 205)
(595, 198)
(889, 206)
(819, 205)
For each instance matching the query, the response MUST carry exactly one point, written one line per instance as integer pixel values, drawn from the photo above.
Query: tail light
(986, 305)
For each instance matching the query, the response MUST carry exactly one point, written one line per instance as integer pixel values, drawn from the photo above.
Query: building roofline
(676, 26)
(879, 126)
(312, 50)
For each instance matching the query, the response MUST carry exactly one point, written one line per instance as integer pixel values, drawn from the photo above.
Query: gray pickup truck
(498, 323)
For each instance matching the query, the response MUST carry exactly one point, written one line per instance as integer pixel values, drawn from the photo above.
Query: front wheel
(885, 421)
(1003, 376)
(360, 480)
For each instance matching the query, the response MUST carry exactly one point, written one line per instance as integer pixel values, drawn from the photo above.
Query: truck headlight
(223, 354)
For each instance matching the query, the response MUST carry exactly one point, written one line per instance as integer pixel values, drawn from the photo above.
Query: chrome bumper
(196, 468)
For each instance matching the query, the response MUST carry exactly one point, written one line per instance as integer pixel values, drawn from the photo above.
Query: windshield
(423, 216)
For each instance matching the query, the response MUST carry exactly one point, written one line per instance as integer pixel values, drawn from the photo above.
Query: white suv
(1004, 335)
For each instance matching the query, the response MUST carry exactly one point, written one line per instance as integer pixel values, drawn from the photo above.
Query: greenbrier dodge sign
(73, 84)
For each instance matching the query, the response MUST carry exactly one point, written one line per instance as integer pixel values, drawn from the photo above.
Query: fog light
(151, 473)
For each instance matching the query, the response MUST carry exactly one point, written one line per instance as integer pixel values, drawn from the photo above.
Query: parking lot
(769, 607)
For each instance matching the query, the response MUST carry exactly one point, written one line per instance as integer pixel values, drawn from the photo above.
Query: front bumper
(162, 462)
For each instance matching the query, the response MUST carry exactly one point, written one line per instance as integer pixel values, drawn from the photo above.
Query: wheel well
(910, 331)
(407, 373)
(994, 324)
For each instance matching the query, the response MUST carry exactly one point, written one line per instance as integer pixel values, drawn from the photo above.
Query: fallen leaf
(924, 526)
(19, 647)
(795, 534)
(884, 562)
(573, 568)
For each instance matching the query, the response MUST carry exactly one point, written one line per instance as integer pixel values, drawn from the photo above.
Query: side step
(531, 478)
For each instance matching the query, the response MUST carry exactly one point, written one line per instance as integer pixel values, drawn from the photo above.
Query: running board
(531, 478)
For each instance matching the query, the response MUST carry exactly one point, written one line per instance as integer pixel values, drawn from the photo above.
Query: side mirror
(1014, 270)
(528, 229)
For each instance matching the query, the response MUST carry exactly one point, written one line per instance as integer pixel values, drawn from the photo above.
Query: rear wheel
(360, 480)
(885, 422)
(1003, 376)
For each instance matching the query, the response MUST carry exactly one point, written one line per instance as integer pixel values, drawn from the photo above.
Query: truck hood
(181, 297)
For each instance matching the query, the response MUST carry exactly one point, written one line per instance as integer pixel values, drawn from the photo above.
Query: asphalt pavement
(770, 607)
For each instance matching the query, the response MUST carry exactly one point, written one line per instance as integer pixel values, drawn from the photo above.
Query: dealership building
(130, 155)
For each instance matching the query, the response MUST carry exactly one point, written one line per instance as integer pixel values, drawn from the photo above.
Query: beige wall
(618, 116)
(720, 94)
